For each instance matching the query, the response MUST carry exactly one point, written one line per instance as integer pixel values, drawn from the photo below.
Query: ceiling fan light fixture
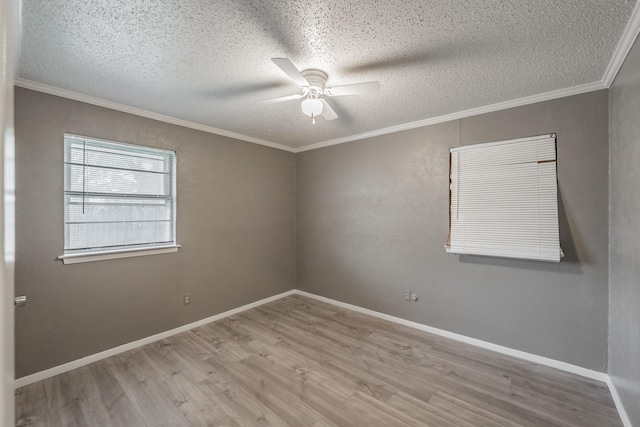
(312, 107)
(313, 84)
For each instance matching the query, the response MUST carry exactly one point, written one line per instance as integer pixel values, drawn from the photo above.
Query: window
(119, 200)
(503, 199)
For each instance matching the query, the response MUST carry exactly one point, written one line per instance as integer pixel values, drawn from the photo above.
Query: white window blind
(117, 196)
(503, 199)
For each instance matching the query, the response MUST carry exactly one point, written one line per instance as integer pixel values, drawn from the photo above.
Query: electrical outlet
(407, 295)
(186, 299)
(414, 297)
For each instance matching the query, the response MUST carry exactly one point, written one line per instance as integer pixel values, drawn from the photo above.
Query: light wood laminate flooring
(300, 362)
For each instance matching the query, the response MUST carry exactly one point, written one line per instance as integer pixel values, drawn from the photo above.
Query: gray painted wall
(624, 278)
(371, 222)
(236, 225)
(373, 217)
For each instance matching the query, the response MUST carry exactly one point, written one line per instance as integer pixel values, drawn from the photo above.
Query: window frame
(79, 256)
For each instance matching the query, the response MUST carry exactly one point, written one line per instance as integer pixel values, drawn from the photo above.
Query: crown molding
(629, 35)
(623, 47)
(625, 44)
(546, 96)
(64, 93)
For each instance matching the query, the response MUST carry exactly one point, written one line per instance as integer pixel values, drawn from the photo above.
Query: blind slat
(117, 196)
(504, 199)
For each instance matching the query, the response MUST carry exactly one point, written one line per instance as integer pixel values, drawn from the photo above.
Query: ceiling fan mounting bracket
(317, 80)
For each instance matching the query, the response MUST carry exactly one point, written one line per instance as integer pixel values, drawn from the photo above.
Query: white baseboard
(563, 366)
(48, 373)
(619, 406)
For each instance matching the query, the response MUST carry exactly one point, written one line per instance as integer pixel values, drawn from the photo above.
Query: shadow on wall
(570, 263)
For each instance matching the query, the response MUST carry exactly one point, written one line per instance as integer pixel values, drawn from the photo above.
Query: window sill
(124, 253)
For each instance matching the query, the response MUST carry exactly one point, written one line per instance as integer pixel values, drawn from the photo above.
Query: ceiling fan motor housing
(317, 81)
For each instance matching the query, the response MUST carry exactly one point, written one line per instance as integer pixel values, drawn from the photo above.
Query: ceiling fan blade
(327, 111)
(354, 89)
(395, 62)
(281, 99)
(240, 90)
(290, 70)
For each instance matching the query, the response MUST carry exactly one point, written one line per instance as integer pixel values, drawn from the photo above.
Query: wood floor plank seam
(300, 362)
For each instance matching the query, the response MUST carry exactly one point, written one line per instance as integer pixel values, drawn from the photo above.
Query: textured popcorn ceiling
(208, 61)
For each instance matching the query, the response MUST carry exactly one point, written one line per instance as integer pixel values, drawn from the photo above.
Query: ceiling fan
(313, 85)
